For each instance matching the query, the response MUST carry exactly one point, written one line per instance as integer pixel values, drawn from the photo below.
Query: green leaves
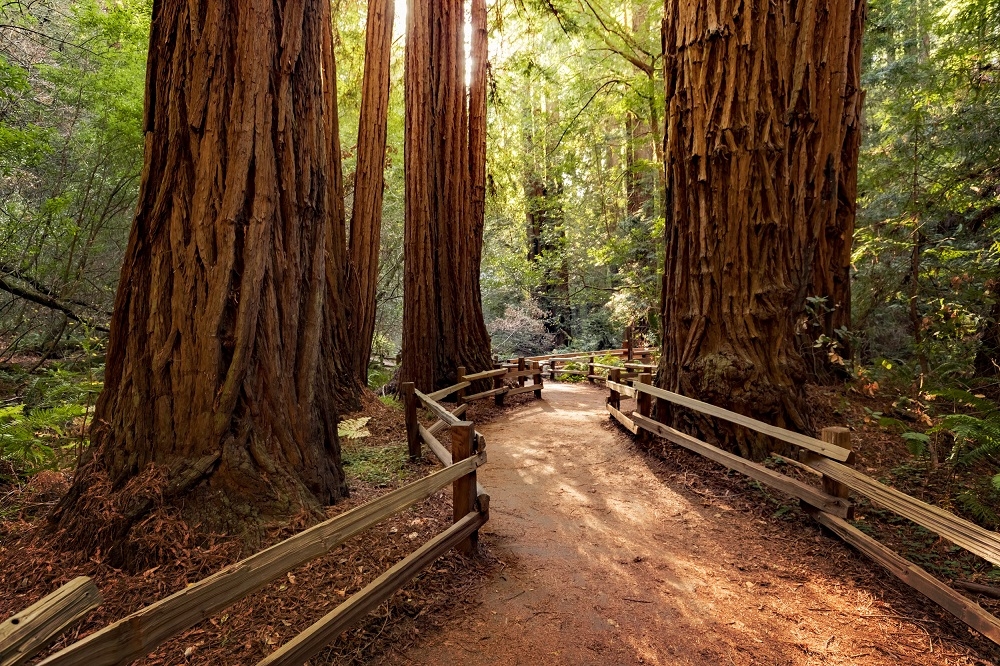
(916, 442)
(354, 428)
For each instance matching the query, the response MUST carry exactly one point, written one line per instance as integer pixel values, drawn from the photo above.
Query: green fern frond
(974, 437)
(354, 428)
(967, 399)
(979, 509)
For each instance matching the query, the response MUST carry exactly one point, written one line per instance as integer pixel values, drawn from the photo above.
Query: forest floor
(597, 552)
(614, 556)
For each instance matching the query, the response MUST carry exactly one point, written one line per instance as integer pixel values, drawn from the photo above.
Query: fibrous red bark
(369, 183)
(224, 362)
(762, 111)
(443, 325)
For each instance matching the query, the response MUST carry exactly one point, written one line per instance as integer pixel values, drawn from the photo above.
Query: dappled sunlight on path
(609, 565)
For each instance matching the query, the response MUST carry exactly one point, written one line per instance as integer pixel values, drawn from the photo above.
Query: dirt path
(608, 565)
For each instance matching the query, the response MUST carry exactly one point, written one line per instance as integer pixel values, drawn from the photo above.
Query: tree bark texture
(223, 363)
(762, 113)
(479, 67)
(369, 184)
(827, 105)
(443, 326)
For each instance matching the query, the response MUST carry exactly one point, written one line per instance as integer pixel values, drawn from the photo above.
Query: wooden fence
(829, 458)
(135, 635)
(633, 362)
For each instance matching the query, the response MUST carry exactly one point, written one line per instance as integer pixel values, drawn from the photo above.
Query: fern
(30, 439)
(976, 434)
(354, 428)
(976, 506)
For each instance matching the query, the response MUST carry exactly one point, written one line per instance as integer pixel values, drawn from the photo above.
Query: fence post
(464, 488)
(412, 424)
(520, 368)
(590, 370)
(615, 400)
(460, 394)
(498, 384)
(628, 344)
(552, 368)
(536, 379)
(841, 437)
(644, 403)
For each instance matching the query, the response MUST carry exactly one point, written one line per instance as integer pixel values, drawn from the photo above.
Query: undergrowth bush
(46, 417)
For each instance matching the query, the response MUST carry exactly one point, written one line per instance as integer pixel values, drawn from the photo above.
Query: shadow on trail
(607, 564)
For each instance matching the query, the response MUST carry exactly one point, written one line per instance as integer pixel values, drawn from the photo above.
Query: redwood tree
(762, 112)
(443, 324)
(223, 364)
(369, 183)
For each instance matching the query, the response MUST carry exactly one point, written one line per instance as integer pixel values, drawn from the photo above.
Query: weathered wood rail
(829, 505)
(137, 634)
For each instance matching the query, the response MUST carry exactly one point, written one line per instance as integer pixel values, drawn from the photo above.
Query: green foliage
(354, 428)
(71, 146)
(376, 465)
(378, 376)
(391, 401)
(31, 440)
(980, 502)
(916, 442)
(926, 245)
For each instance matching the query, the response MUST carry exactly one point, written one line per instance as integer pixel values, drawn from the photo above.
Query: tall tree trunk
(443, 325)
(369, 183)
(754, 150)
(544, 216)
(825, 113)
(222, 363)
(479, 66)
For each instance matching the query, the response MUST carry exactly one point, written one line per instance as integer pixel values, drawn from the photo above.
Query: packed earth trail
(611, 560)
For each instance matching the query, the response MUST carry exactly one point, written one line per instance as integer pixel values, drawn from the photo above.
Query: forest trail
(607, 564)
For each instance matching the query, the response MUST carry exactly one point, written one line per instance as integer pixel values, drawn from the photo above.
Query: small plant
(376, 465)
(378, 376)
(30, 440)
(354, 428)
(976, 432)
(390, 401)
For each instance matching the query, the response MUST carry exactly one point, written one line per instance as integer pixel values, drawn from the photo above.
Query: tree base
(726, 380)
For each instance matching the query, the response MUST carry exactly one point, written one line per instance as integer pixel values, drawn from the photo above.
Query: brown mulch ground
(904, 627)
(31, 565)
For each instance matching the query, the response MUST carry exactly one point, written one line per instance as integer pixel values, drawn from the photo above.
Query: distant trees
(443, 325)
(369, 182)
(762, 109)
(926, 260)
(223, 365)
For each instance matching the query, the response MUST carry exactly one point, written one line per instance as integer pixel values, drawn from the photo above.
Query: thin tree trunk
(443, 326)
(222, 366)
(479, 66)
(369, 183)
(754, 144)
(825, 114)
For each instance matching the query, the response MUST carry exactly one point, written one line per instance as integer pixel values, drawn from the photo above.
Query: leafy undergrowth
(32, 564)
(962, 488)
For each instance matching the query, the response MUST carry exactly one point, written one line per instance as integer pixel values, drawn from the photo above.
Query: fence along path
(830, 504)
(136, 635)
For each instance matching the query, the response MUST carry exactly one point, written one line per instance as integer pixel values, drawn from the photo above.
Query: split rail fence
(830, 504)
(134, 636)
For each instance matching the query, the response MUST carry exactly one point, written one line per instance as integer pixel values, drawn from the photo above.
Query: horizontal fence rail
(137, 634)
(24, 634)
(830, 506)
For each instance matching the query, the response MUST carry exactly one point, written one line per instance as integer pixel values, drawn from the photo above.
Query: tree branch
(48, 302)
